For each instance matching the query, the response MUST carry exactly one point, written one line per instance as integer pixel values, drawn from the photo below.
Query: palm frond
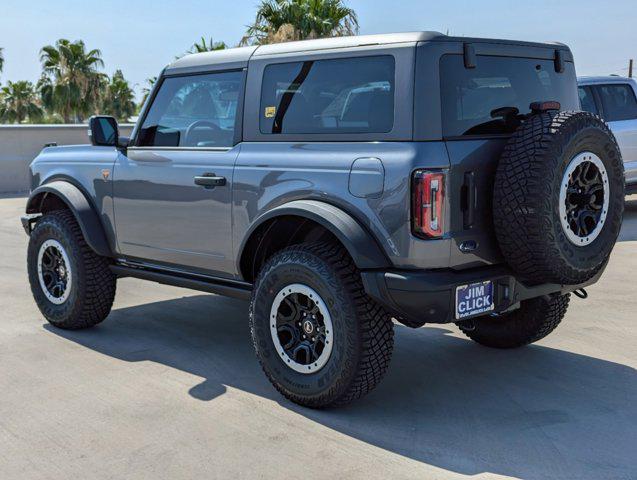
(283, 20)
(74, 84)
(19, 102)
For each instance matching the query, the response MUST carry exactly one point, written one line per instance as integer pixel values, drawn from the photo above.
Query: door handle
(210, 180)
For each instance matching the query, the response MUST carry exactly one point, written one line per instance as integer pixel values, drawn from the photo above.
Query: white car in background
(615, 100)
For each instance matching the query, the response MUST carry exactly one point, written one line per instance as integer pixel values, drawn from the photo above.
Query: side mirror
(103, 131)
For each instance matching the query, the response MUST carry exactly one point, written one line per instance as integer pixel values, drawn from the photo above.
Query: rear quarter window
(349, 95)
(489, 98)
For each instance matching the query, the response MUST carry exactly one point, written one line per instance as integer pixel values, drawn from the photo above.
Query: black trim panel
(239, 290)
(89, 221)
(429, 296)
(360, 244)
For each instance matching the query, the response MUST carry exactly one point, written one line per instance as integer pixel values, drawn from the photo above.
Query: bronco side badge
(106, 174)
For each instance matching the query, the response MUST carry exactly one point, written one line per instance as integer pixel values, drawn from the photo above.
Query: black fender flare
(81, 208)
(360, 244)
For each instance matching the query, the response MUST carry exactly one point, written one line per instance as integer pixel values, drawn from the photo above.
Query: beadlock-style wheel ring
(54, 272)
(301, 328)
(584, 199)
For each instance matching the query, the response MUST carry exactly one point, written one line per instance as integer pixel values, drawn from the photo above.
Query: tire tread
(99, 282)
(534, 320)
(377, 333)
(524, 194)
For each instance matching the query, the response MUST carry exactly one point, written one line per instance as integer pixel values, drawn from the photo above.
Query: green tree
(286, 20)
(72, 85)
(1, 59)
(118, 99)
(19, 102)
(207, 46)
(150, 83)
(45, 89)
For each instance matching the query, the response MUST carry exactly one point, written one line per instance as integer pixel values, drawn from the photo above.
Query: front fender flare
(79, 205)
(360, 244)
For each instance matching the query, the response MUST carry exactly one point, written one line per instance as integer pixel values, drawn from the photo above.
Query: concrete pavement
(168, 388)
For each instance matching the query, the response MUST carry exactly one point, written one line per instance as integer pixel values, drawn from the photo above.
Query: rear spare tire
(559, 197)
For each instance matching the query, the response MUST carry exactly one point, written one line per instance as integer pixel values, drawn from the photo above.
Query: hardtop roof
(240, 56)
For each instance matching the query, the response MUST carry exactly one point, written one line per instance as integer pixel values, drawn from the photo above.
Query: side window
(193, 111)
(586, 100)
(618, 101)
(351, 95)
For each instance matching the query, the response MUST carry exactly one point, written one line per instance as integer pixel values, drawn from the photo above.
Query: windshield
(492, 98)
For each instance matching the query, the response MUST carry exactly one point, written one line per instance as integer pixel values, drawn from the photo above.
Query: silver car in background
(615, 100)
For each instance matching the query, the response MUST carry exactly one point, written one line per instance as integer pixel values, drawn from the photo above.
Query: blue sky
(142, 36)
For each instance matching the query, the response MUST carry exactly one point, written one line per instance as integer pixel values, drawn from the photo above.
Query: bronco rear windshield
(490, 98)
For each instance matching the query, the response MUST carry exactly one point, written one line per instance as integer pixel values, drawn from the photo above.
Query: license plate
(474, 299)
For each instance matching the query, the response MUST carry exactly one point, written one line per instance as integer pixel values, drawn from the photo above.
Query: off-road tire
(363, 331)
(526, 197)
(533, 321)
(93, 288)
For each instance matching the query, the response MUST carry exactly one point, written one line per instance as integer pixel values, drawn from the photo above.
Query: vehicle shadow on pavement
(533, 413)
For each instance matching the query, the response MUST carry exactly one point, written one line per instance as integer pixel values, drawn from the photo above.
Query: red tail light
(428, 204)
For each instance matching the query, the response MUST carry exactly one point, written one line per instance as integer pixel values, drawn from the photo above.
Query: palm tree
(150, 83)
(119, 99)
(1, 59)
(45, 89)
(207, 46)
(285, 20)
(19, 101)
(73, 84)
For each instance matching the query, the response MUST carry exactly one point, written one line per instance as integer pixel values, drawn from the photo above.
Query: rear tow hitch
(581, 293)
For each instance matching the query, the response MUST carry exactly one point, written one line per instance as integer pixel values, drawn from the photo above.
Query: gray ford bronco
(339, 184)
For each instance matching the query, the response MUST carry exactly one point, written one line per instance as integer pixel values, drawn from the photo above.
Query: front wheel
(320, 340)
(72, 286)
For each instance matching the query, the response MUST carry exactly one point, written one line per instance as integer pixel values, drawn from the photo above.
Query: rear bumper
(429, 296)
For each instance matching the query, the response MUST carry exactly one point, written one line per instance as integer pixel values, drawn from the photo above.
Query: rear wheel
(72, 286)
(320, 340)
(533, 321)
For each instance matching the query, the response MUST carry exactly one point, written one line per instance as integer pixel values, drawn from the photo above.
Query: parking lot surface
(168, 387)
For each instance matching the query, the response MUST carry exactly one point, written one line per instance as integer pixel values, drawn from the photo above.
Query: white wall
(20, 144)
